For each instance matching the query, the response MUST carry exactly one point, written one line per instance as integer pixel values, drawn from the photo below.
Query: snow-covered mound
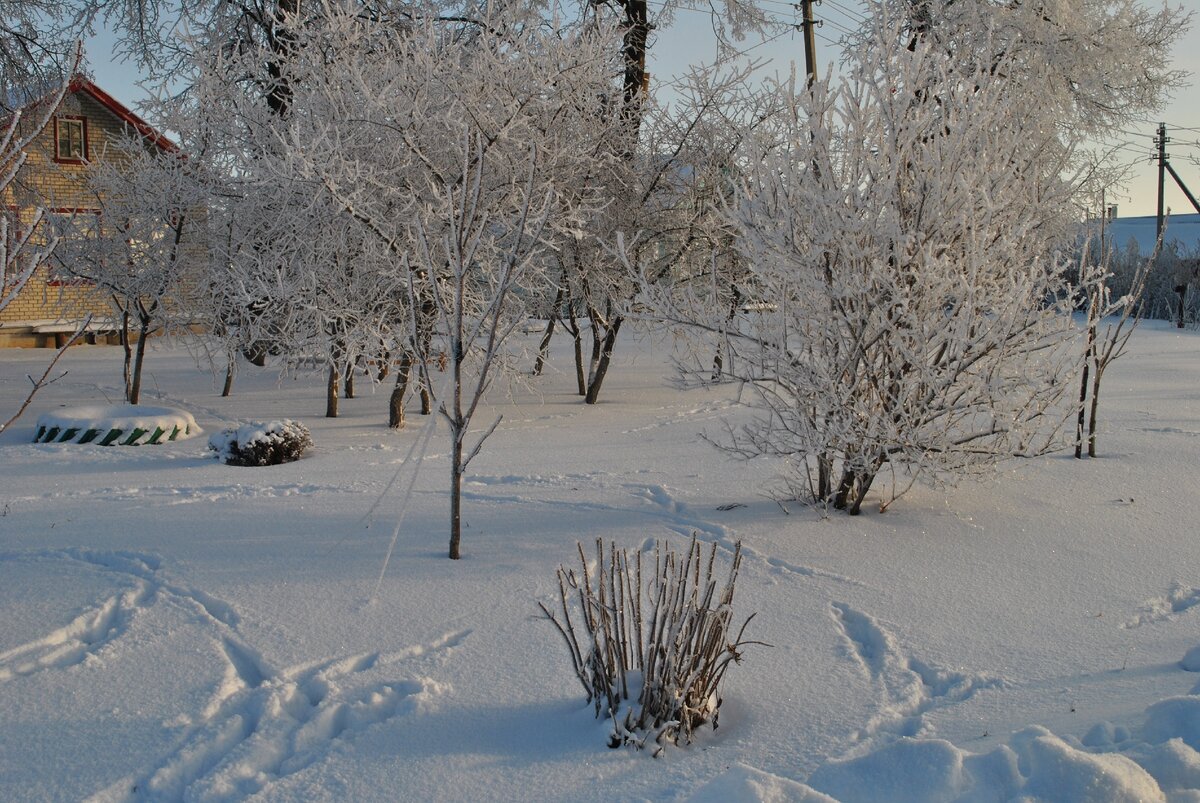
(117, 424)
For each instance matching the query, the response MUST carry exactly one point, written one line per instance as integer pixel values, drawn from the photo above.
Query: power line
(857, 16)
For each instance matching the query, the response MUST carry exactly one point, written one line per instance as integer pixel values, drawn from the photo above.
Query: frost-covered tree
(1094, 64)
(464, 150)
(147, 252)
(292, 273)
(660, 142)
(899, 236)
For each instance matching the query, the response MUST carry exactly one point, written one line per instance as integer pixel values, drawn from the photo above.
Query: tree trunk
(580, 376)
(845, 486)
(544, 347)
(637, 32)
(385, 365)
(426, 396)
(135, 387)
(735, 299)
(349, 380)
(572, 323)
(1089, 357)
(601, 370)
(458, 425)
(1083, 388)
(1095, 406)
(229, 367)
(396, 402)
(127, 368)
(455, 491)
(864, 485)
(331, 392)
(824, 477)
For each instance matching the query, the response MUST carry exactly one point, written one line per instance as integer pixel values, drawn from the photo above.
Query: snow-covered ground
(175, 628)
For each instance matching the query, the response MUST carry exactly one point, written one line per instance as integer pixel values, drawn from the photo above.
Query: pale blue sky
(690, 40)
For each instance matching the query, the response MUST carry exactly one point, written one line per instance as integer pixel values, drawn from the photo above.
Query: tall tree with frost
(657, 143)
(483, 128)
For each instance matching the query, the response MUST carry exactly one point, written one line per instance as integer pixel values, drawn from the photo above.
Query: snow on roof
(1183, 229)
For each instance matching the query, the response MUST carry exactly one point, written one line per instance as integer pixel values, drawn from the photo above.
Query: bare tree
(1109, 323)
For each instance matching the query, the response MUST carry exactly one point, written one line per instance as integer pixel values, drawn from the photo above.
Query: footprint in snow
(262, 725)
(907, 688)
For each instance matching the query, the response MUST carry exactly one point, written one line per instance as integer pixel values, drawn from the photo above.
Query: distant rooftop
(1184, 229)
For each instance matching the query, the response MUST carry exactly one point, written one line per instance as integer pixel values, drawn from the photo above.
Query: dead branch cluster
(650, 645)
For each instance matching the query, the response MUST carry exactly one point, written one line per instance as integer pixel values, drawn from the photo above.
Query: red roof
(80, 83)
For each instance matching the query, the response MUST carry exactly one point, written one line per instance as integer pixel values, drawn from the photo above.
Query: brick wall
(60, 186)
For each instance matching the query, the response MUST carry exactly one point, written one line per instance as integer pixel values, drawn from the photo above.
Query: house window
(70, 139)
(76, 254)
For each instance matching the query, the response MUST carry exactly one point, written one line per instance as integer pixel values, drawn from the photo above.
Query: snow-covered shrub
(650, 657)
(266, 444)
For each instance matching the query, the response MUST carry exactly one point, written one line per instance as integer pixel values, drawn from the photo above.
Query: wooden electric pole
(1164, 167)
(1161, 141)
(810, 39)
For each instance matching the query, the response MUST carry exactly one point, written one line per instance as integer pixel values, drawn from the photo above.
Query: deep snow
(175, 628)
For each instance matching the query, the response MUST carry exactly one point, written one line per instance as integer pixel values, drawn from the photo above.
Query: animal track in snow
(259, 724)
(907, 688)
(1177, 600)
(262, 725)
(681, 520)
(1171, 431)
(705, 412)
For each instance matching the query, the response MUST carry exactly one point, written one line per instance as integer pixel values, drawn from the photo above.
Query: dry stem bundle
(668, 641)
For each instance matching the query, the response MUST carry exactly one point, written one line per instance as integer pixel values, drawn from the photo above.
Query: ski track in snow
(907, 687)
(1178, 599)
(262, 725)
(91, 630)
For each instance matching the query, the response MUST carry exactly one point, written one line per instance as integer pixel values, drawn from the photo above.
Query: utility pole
(1161, 141)
(1164, 167)
(810, 39)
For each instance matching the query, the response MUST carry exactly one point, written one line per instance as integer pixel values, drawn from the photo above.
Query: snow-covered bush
(650, 657)
(266, 444)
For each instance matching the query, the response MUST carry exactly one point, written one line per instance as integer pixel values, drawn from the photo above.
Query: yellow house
(50, 307)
